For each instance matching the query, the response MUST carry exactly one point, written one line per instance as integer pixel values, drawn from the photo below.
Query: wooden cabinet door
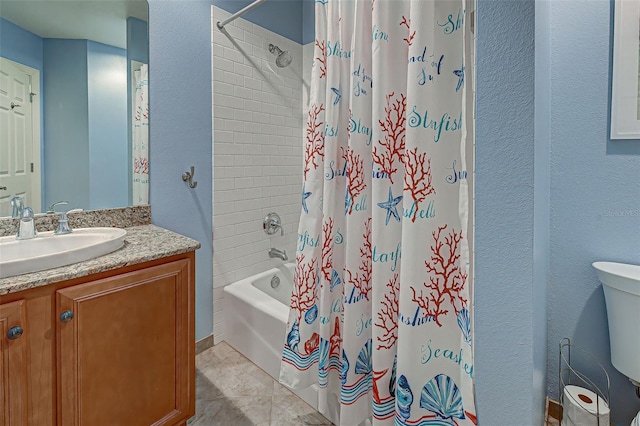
(13, 364)
(126, 348)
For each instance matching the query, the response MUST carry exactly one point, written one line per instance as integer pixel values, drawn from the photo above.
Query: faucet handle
(63, 223)
(16, 206)
(52, 206)
(271, 223)
(275, 225)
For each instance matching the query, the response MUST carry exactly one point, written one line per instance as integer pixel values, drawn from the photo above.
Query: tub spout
(280, 254)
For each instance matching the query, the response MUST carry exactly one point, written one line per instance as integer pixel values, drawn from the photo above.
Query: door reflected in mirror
(73, 104)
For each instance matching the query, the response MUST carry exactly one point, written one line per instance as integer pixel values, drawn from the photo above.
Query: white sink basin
(51, 251)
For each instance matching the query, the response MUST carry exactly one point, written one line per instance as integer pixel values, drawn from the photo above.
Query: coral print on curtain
(381, 310)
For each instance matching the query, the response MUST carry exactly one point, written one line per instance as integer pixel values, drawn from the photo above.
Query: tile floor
(232, 391)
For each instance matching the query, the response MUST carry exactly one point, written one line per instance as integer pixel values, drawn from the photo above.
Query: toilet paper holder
(590, 395)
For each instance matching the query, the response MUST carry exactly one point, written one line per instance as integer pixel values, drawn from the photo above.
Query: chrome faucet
(271, 223)
(27, 227)
(280, 254)
(63, 223)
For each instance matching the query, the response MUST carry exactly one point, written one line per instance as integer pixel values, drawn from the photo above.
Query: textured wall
(66, 123)
(595, 191)
(504, 284)
(280, 17)
(541, 207)
(108, 143)
(308, 21)
(180, 132)
(257, 153)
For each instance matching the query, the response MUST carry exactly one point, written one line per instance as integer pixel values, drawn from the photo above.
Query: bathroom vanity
(108, 341)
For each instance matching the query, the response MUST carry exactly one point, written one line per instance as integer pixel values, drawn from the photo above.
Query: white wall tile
(252, 105)
(258, 123)
(236, 33)
(243, 69)
(232, 79)
(241, 92)
(222, 63)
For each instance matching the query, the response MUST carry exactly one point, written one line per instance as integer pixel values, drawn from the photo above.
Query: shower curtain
(381, 311)
(140, 137)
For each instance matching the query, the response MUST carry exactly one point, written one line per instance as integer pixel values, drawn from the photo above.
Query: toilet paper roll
(583, 407)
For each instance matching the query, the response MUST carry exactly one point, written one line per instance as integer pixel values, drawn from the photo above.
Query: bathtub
(256, 314)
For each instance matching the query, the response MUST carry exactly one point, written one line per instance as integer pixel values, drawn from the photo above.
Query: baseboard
(204, 344)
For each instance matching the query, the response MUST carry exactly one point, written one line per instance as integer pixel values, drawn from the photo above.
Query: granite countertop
(142, 243)
(120, 217)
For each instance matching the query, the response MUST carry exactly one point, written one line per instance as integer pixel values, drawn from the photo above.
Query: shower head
(283, 59)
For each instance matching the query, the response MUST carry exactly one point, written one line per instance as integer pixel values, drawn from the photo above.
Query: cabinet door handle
(14, 332)
(66, 316)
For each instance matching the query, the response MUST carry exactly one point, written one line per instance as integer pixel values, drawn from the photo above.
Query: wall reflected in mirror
(73, 103)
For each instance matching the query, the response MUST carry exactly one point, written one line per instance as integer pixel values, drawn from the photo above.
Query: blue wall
(78, 74)
(595, 191)
(541, 206)
(308, 21)
(137, 40)
(66, 122)
(281, 17)
(85, 124)
(20, 45)
(506, 292)
(108, 141)
(180, 131)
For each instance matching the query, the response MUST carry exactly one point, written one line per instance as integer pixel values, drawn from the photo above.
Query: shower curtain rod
(240, 13)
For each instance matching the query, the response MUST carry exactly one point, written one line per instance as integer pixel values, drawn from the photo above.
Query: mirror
(73, 120)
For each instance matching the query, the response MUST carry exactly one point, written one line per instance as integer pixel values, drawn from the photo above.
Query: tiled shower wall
(257, 152)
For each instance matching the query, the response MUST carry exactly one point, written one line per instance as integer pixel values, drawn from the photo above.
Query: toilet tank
(621, 284)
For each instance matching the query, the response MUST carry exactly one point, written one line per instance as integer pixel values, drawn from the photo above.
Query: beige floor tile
(232, 391)
(242, 411)
(279, 389)
(239, 380)
(219, 355)
(289, 410)
(205, 389)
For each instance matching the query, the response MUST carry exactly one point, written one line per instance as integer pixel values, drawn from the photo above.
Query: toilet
(621, 284)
